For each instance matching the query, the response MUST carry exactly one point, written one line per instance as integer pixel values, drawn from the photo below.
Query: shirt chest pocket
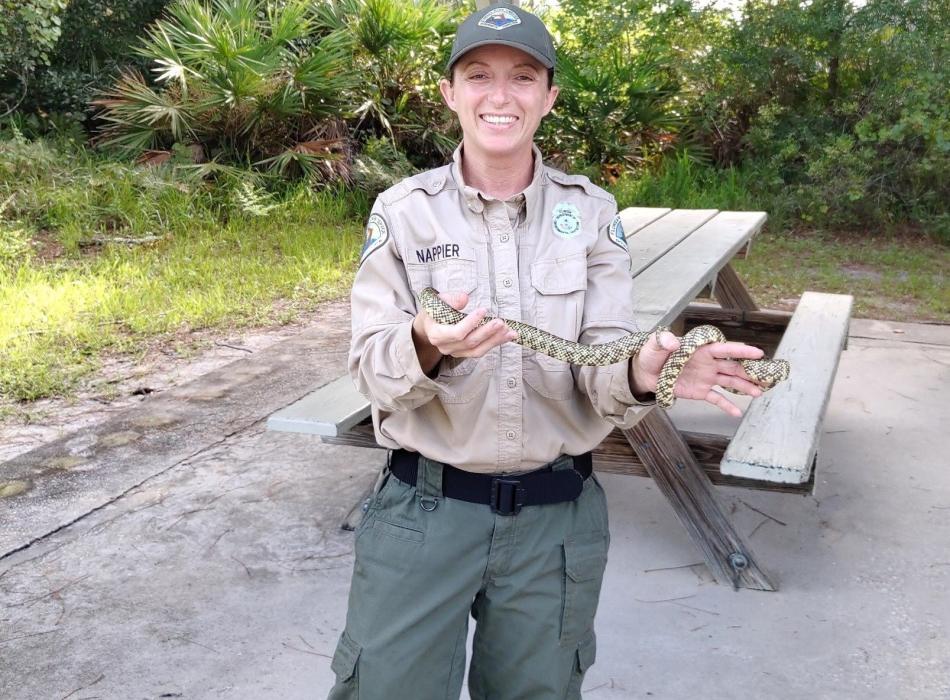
(455, 275)
(559, 286)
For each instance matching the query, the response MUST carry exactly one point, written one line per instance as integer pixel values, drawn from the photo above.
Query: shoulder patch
(616, 235)
(377, 233)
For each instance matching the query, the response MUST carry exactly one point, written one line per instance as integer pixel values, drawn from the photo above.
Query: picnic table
(679, 256)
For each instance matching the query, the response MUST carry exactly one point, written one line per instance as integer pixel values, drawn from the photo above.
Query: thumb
(668, 342)
(457, 300)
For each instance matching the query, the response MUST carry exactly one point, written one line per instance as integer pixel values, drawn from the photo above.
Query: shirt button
(507, 283)
(512, 383)
(504, 237)
(510, 434)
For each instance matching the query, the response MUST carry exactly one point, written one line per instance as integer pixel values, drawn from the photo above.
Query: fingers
(743, 386)
(721, 402)
(483, 339)
(467, 338)
(738, 351)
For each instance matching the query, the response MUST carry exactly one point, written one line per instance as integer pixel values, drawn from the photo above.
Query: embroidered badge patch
(566, 220)
(500, 18)
(615, 233)
(377, 233)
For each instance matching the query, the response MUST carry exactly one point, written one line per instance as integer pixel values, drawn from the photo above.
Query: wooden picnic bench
(678, 256)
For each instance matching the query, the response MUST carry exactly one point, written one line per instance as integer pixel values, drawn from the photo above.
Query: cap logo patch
(566, 220)
(499, 18)
(377, 233)
(616, 235)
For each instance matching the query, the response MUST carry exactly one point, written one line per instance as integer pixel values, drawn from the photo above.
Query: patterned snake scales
(766, 373)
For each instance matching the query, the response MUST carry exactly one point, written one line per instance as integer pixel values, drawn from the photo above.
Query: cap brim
(543, 60)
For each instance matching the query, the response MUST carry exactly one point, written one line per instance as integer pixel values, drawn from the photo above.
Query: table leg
(673, 467)
(730, 292)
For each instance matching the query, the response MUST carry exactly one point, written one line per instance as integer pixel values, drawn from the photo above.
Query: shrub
(29, 30)
(245, 80)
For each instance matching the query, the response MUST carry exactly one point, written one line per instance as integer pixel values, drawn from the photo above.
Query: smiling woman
(499, 94)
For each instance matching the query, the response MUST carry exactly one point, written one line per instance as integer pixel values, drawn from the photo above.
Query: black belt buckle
(507, 496)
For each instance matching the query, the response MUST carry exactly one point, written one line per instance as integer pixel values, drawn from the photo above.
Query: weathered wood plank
(655, 240)
(615, 456)
(763, 328)
(666, 287)
(635, 218)
(731, 292)
(330, 410)
(669, 461)
(778, 437)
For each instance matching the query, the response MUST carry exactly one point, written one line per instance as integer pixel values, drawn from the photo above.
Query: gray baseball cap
(503, 23)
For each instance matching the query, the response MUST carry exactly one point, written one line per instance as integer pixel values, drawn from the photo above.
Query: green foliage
(379, 166)
(846, 104)
(246, 80)
(29, 29)
(614, 114)
(95, 43)
(398, 49)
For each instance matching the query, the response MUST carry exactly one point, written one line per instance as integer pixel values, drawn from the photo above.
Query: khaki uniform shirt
(554, 257)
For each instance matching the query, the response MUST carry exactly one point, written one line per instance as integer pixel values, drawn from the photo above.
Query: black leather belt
(505, 494)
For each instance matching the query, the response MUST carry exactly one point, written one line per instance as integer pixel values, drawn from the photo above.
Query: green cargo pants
(425, 562)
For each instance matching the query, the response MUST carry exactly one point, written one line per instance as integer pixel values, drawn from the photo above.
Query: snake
(765, 372)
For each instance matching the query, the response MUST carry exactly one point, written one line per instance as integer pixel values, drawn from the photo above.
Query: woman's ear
(549, 102)
(448, 93)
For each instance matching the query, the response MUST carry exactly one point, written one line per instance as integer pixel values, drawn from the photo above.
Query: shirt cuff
(621, 391)
(407, 359)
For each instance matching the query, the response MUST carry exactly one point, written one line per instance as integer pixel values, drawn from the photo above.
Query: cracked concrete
(180, 550)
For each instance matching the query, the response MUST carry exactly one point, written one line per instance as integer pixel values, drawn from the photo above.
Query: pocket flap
(586, 557)
(560, 275)
(587, 652)
(345, 658)
(453, 275)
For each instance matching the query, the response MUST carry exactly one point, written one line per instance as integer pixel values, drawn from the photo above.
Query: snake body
(766, 373)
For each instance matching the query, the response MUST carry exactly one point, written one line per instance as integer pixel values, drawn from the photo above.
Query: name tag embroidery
(437, 252)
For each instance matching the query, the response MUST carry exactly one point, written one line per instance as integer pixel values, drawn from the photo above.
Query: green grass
(890, 277)
(682, 184)
(894, 277)
(215, 263)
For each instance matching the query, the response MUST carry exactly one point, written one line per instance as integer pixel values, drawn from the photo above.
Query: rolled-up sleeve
(383, 360)
(608, 315)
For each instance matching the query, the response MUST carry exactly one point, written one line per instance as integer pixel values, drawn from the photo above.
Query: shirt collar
(475, 199)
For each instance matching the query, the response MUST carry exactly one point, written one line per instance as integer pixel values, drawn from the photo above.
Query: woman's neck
(498, 178)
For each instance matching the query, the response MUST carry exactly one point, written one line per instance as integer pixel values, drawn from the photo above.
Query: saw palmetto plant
(248, 80)
(614, 113)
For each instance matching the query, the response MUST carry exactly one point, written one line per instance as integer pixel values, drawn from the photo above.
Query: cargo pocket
(585, 558)
(344, 665)
(583, 660)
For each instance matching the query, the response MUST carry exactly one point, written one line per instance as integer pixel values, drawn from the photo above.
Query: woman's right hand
(464, 339)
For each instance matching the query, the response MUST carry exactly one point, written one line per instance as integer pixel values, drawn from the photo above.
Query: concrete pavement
(180, 550)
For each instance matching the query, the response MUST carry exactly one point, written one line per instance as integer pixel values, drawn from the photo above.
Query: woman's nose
(499, 92)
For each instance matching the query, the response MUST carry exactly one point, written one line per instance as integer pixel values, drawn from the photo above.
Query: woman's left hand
(711, 365)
